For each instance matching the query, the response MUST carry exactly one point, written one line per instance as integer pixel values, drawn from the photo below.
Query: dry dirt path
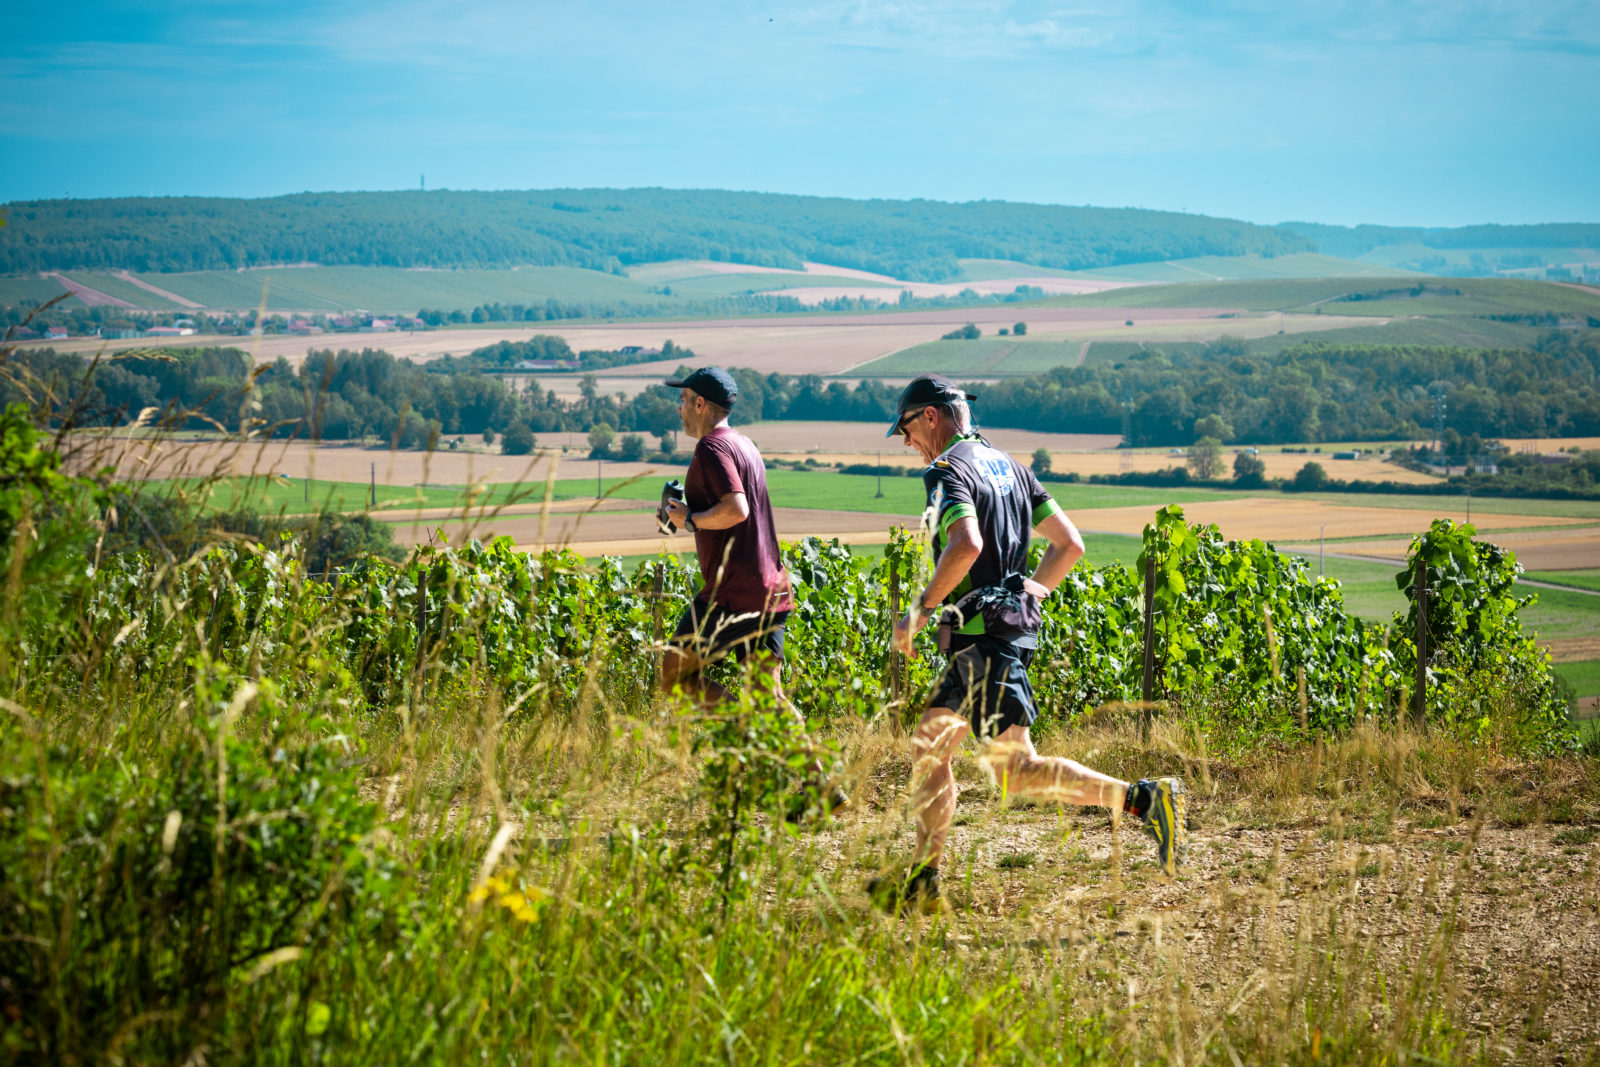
(165, 294)
(91, 297)
(1505, 911)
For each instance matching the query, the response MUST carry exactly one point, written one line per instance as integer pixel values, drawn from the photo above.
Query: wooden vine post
(1419, 691)
(894, 616)
(658, 586)
(1149, 648)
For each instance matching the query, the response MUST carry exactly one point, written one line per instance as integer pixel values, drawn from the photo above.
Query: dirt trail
(165, 294)
(1517, 906)
(92, 297)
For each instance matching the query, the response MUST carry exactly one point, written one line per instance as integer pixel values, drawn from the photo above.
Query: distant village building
(638, 350)
(301, 326)
(378, 326)
(56, 333)
(168, 331)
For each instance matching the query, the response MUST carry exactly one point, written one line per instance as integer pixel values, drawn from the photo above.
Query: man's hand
(907, 628)
(678, 512)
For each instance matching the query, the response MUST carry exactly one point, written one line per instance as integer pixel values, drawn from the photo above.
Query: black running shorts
(987, 681)
(712, 631)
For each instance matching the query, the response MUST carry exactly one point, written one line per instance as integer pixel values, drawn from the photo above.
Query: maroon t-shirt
(740, 566)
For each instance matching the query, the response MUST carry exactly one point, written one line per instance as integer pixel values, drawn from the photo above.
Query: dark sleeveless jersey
(973, 478)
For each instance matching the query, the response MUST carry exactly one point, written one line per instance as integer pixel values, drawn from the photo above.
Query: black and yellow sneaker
(917, 891)
(808, 805)
(1160, 805)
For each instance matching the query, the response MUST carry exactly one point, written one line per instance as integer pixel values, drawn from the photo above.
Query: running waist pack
(1009, 614)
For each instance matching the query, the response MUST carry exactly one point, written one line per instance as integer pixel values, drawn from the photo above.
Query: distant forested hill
(604, 229)
(1352, 242)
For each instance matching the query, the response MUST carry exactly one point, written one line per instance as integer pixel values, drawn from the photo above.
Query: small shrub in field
(165, 878)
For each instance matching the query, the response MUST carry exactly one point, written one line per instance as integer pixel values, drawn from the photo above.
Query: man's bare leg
(933, 787)
(681, 668)
(1020, 770)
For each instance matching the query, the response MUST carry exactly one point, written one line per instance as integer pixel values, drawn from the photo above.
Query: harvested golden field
(1284, 519)
(143, 458)
(1278, 464)
(1549, 445)
(818, 344)
(853, 442)
(1537, 550)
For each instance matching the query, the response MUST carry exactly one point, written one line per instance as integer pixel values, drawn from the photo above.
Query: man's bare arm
(1064, 550)
(731, 510)
(963, 543)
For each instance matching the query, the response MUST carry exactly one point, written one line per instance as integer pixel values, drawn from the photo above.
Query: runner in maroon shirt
(745, 596)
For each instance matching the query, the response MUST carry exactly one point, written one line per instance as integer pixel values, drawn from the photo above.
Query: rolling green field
(33, 290)
(122, 290)
(293, 496)
(1580, 579)
(1479, 296)
(1459, 330)
(1228, 268)
(1583, 675)
(714, 285)
(984, 356)
(239, 290)
(983, 270)
(1397, 254)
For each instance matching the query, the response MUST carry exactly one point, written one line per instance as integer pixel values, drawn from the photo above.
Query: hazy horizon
(1432, 115)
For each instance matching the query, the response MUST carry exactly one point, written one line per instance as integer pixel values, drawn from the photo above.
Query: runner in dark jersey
(986, 505)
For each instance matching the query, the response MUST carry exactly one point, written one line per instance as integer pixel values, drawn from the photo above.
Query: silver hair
(961, 414)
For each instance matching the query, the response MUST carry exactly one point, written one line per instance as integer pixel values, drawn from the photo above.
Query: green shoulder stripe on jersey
(1045, 510)
(952, 513)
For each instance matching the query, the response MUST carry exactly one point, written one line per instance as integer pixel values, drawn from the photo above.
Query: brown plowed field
(1280, 519)
(353, 463)
(821, 344)
(1537, 550)
(1279, 465)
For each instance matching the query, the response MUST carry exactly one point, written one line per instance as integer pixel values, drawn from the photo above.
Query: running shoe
(1164, 821)
(917, 891)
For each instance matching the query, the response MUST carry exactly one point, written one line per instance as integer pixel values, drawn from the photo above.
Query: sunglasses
(900, 427)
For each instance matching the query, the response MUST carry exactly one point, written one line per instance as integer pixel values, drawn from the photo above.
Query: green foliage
(30, 476)
(1205, 458)
(1309, 478)
(601, 435)
(199, 855)
(1475, 635)
(969, 332)
(518, 439)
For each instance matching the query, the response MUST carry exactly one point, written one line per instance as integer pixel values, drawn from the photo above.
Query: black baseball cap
(923, 390)
(713, 383)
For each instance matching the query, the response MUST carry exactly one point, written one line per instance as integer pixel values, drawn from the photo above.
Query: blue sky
(1405, 113)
